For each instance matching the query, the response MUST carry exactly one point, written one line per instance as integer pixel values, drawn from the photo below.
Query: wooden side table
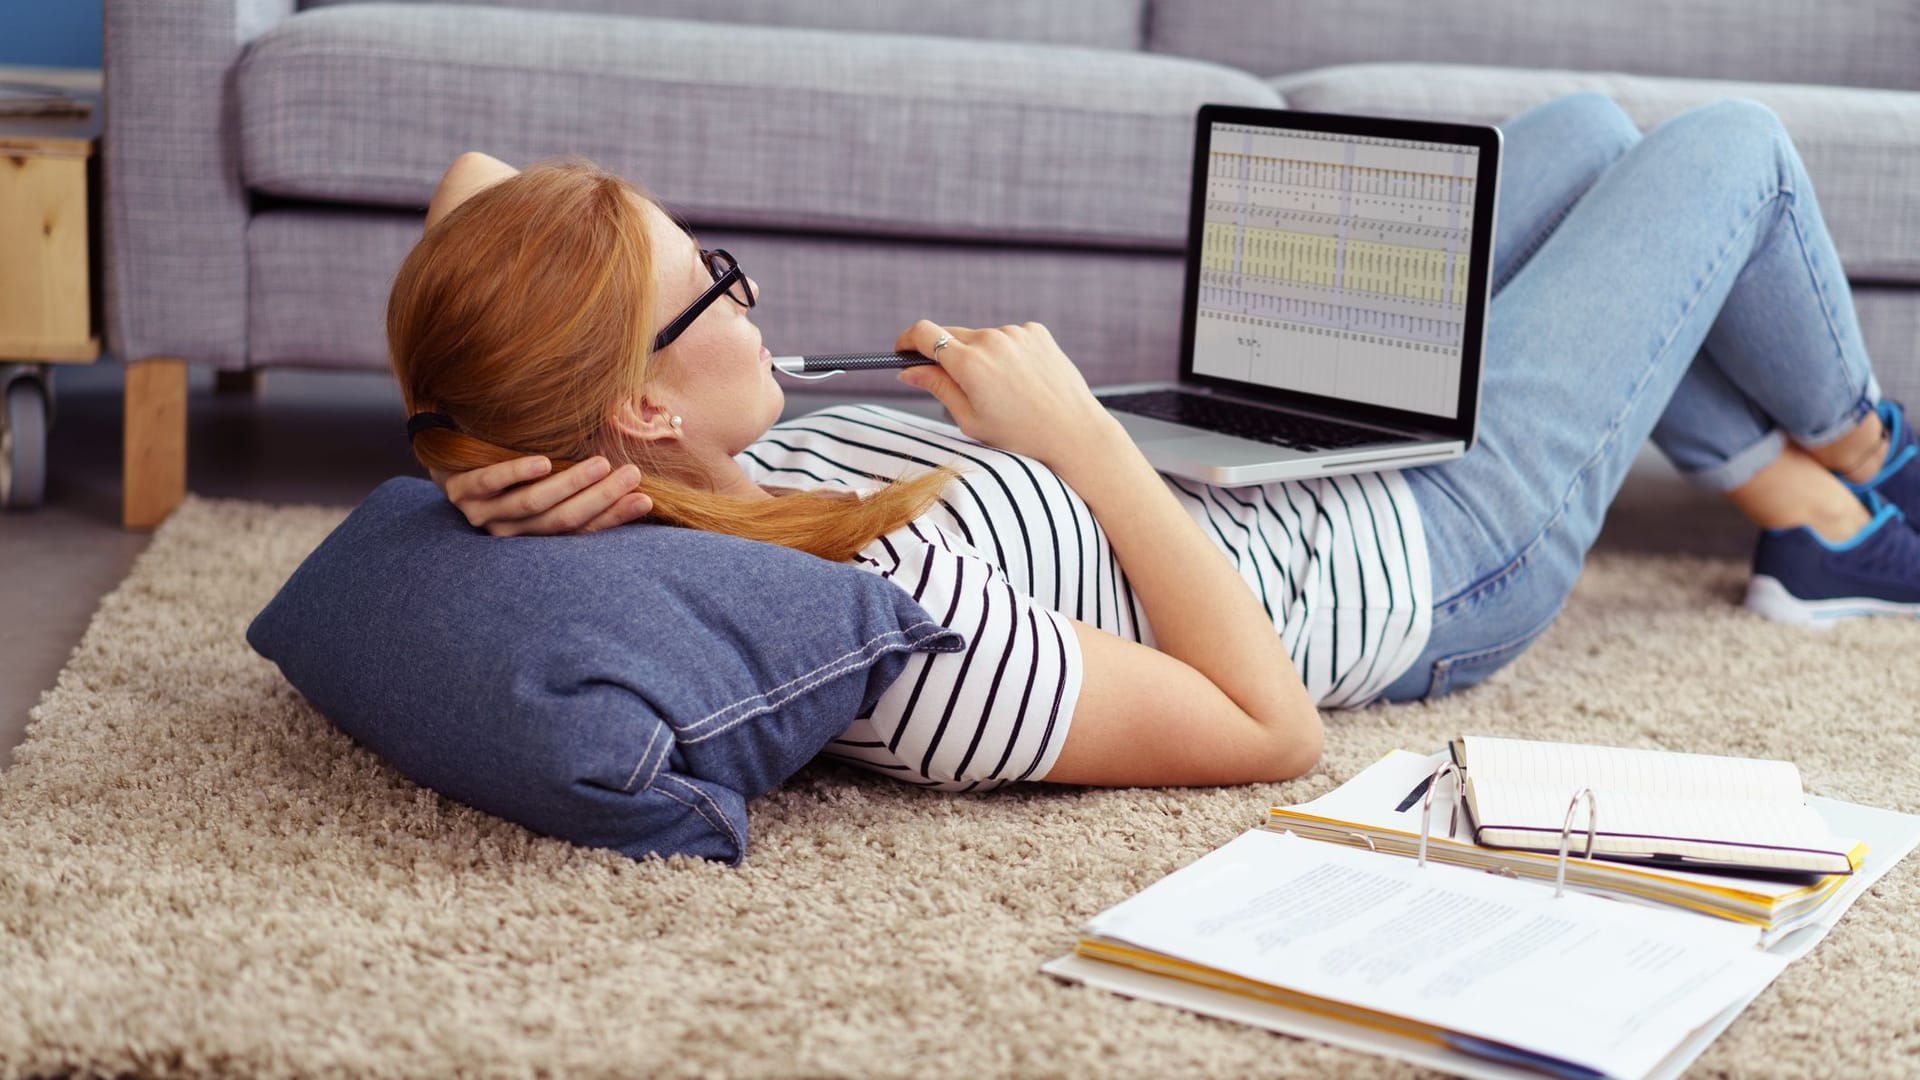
(49, 245)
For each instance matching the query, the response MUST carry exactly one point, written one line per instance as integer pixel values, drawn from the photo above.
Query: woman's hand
(1010, 387)
(1146, 720)
(518, 498)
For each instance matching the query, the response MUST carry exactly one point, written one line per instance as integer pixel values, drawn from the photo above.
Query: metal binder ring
(1566, 837)
(1426, 805)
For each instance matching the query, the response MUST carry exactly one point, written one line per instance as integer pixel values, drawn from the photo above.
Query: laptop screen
(1337, 265)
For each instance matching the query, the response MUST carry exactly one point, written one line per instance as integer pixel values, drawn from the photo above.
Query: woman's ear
(642, 421)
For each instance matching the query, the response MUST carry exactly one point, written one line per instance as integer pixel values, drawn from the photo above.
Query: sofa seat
(861, 133)
(1861, 147)
(315, 299)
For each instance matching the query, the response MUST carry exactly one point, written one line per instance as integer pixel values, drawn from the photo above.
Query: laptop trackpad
(1188, 451)
(1177, 441)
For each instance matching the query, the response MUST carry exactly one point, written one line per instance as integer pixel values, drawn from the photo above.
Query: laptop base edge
(1166, 458)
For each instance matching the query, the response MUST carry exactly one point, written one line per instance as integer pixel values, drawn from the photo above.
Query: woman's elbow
(1299, 744)
(469, 173)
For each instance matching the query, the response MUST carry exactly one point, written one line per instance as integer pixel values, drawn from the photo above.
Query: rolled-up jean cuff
(1741, 467)
(1861, 407)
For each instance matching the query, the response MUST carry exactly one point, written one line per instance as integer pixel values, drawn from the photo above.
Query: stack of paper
(1478, 973)
(1485, 967)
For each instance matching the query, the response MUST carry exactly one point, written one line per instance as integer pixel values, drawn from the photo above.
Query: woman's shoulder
(861, 447)
(914, 439)
(876, 429)
(917, 549)
(853, 427)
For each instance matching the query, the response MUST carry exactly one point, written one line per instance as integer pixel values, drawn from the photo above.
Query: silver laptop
(1336, 296)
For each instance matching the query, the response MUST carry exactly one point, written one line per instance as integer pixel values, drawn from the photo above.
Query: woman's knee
(1599, 113)
(1731, 122)
(1739, 134)
(1597, 117)
(1740, 114)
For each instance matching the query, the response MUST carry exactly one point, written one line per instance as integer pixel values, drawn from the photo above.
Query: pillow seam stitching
(738, 846)
(871, 648)
(642, 763)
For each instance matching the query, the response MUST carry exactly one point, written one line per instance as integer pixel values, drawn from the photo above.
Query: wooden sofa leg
(154, 464)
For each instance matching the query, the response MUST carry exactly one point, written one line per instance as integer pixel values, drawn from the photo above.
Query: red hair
(525, 316)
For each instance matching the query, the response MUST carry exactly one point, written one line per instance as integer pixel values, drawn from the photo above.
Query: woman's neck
(728, 478)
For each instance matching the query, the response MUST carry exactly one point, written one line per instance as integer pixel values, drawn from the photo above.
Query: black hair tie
(420, 422)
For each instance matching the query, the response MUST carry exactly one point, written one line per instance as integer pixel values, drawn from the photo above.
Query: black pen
(1414, 795)
(822, 366)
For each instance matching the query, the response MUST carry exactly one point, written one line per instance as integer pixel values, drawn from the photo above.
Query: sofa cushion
(1102, 24)
(737, 125)
(1861, 147)
(1859, 43)
(319, 281)
(629, 690)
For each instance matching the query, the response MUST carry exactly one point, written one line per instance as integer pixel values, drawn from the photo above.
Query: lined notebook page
(1647, 802)
(1569, 767)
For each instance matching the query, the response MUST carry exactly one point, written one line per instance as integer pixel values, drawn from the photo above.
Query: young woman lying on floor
(1128, 629)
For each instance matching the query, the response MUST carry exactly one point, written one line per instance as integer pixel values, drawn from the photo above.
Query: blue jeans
(1680, 285)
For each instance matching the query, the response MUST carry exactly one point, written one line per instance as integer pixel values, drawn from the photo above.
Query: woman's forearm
(1201, 610)
(1013, 387)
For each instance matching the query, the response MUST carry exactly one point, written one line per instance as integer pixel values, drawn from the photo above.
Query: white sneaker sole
(1769, 599)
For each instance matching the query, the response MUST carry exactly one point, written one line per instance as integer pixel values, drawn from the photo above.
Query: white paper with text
(1611, 986)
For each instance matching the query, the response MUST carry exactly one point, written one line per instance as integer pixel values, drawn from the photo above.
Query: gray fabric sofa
(872, 161)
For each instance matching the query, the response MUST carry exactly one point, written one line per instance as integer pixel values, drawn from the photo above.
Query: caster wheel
(23, 446)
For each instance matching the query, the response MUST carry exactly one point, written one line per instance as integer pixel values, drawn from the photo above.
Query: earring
(675, 422)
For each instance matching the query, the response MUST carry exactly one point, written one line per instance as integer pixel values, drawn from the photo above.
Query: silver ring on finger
(942, 342)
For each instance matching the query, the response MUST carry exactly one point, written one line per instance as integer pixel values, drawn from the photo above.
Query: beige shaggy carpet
(200, 877)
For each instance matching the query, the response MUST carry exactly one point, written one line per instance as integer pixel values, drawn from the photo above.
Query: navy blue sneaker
(1898, 481)
(1800, 578)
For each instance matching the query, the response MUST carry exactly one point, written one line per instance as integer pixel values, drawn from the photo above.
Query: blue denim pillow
(631, 689)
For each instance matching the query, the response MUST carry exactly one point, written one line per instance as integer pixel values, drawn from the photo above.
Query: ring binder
(1426, 805)
(1364, 838)
(1566, 837)
(1383, 804)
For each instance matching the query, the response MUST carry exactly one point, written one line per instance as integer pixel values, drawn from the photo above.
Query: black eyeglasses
(727, 279)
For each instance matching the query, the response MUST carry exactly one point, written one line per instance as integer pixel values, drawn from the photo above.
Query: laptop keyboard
(1248, 421)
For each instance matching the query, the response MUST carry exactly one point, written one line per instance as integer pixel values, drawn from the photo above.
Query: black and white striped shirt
(1010, 552)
